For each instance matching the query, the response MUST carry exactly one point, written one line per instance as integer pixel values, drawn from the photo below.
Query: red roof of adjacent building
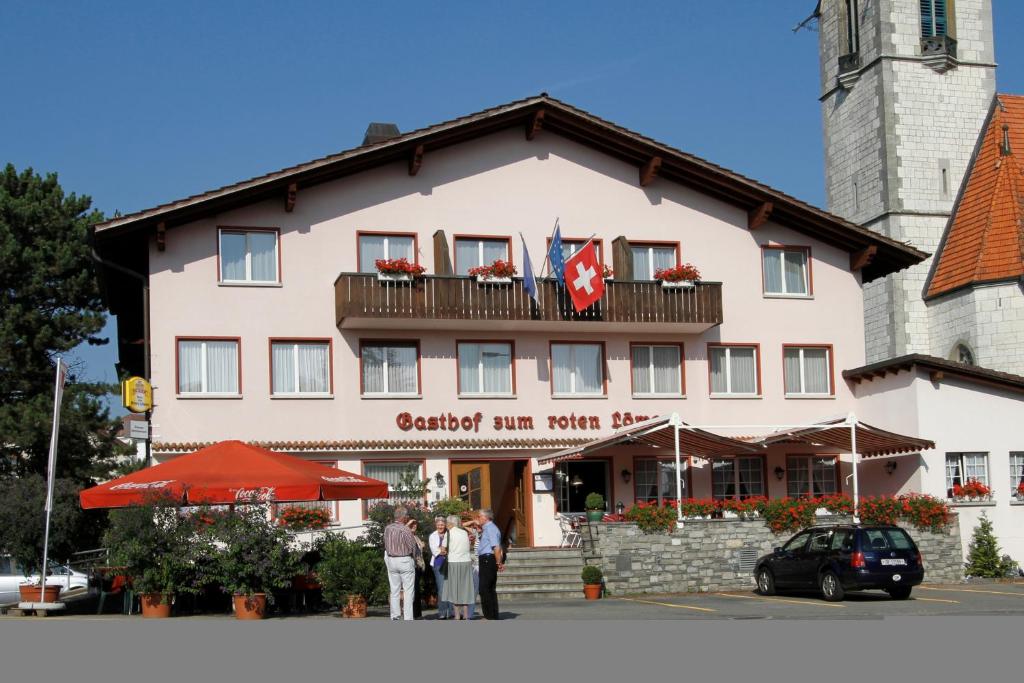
(985, 238)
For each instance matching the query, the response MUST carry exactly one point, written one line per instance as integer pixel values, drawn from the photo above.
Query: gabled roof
(541, 113)
(939, 368)
(984, 241)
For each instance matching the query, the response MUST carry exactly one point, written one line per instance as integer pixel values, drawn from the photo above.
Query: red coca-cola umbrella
(233, 472)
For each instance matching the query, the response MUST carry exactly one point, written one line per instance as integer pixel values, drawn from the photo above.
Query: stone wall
(719, 555)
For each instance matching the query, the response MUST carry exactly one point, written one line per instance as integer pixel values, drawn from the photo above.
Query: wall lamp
(439, 480)
(890, 467)
(779, 473)
(626, 475)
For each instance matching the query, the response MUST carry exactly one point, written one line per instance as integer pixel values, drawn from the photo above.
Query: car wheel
(900, 593)
(831, 587)
(765, 582)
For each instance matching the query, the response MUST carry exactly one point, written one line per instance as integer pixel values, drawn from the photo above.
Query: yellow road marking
(770, 599)
(669, 604)
(917, 599)
(971, 590)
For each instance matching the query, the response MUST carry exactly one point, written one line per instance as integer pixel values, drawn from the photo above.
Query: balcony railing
(361, 300)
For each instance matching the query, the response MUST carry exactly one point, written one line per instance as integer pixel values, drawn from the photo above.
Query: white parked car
(11, 577)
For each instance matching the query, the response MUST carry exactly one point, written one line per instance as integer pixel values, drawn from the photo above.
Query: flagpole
(51, 471)
(547, 259)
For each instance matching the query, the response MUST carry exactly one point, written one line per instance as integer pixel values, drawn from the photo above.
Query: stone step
(540, 565)
(543, 553)
(553, 584)
(542, 573)
(540, 594)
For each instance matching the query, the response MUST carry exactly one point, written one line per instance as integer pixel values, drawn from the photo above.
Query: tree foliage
(983, 557)
(49, 304)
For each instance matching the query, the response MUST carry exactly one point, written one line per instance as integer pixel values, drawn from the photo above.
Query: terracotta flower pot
(154, 606)
(31, 593)
(592, 591)
(356, 607)
(250, 606)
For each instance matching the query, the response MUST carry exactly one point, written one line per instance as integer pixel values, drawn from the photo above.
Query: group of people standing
(465, 558)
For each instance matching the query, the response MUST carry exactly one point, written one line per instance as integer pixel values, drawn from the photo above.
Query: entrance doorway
(579, 478)
(503, 486)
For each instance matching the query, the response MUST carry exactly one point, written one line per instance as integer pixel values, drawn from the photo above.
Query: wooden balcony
(443, 302)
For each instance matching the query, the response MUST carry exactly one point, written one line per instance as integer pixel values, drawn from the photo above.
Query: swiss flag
(583, 277)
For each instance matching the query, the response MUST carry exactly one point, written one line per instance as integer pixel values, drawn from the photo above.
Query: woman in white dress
(458, 586)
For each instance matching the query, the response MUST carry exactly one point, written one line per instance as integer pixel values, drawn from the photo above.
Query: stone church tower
(906, 88)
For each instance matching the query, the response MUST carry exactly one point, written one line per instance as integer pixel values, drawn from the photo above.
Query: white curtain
(642, 263)
(719, 378)
(791, 370)
(390, 472)
(232, 256)
(666, 370)
(953, 474)
(497, 365)
(797, 483)
(373, 369)
(222, 367)
(976, 467)
(469, 366)
(816, 375)
(401, 246)
(402, 370)
(723, 478)
(751, 475)
(664, 257)
(667, 478)
(263, 254)
(742, 371)
(823, 472)
(773, 271)
(561, 368)
(796, 268)
(588, 369)
(371, 248)
(467, 255)
(190, 366)
(314, 368)
(645, 474)
(641, 369)
(283, 368)
(494, 250)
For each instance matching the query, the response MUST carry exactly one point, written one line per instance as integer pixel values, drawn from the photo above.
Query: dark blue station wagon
(843, 557)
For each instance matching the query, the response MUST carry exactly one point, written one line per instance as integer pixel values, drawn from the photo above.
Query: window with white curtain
(390, 369)
(570, 247)
(471, 252)
(961, 467)
(655, 480)
(374, 246)
(734, 371)
(1016, 471)
(807, 371)
(810, 475)
(485, 368)
(656, 370)
(577, 369)
(740, 477)
(248, 256)
(650, 258)
(785, 271)
(208, 366)
(392, 473)
(300, 368)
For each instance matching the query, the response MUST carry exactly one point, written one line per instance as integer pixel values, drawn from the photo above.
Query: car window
(842, 540)
(5, 566)
(875, 539)
(898, 539)
(797, 543)
(819, 541)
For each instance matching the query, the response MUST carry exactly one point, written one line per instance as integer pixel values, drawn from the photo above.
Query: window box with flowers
(398, 270)
(971, 491)
(684, 276)
(498, 273)
(1020, 492)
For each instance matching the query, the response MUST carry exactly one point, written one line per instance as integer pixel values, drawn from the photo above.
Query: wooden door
(473, 483)
(520, 491)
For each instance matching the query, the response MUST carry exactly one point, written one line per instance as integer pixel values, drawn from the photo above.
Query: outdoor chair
(571, 537)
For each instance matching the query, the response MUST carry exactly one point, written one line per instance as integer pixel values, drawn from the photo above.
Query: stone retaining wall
(719, 554)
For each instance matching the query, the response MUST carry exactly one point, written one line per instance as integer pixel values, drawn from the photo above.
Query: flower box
(498, 273)
(394, 277)
(678, 284)
(491, 280)
(683, 276)
(397, 270)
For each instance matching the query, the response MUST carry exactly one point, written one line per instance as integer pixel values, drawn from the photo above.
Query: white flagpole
(679, 472)
(58, 392)
(856, 484)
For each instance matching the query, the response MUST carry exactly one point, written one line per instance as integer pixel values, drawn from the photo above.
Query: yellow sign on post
(137, 394)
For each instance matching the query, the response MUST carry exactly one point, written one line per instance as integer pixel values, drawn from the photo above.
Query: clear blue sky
(136, 104)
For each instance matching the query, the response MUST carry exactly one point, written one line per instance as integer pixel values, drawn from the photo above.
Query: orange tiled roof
(985, 240)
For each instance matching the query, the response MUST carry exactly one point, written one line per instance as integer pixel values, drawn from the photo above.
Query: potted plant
(398, 270)
(682, 276)
(594, 505)
(350, 573)
(499, 272)
(299, 518)
(592, 582)
(254, 560)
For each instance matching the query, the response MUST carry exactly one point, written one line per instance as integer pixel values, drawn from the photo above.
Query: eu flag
(555, 256)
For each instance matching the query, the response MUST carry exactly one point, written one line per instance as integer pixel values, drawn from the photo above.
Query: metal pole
(50, 474)
(679, 474)
(856, 484)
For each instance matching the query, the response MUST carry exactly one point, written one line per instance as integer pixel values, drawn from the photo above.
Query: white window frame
(480, 369)
(660, 462)
(736, 481)
(202, 367)
(806, 462)
(248, 257)
(295, 364)
(572, 375)
(728, 371)
(803, 393)
(650, 371)
(418, 464)
(480, 249)
(650, 256)
(961, 458)
(1016, 471)
(783, 251)
(387, 389)
(387, 246)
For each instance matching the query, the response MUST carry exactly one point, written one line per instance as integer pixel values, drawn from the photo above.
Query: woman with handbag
(458, 585)
(439, 540)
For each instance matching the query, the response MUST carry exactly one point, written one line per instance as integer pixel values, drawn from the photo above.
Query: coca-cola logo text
(141, 485)
(263, 494)
(342, 479)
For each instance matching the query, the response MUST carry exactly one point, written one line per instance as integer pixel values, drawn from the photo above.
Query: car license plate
(896, 561)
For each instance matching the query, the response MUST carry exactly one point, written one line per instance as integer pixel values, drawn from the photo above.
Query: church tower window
(934, 21)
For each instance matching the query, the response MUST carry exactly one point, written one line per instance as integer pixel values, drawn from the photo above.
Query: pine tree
(983, 557)
(49, 304)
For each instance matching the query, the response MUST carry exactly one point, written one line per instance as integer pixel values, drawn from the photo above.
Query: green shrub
(256, 557)
(449, 506)
(592, 574)
(351, 568)
(983, 558)
(651, 518)
(593, 501)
